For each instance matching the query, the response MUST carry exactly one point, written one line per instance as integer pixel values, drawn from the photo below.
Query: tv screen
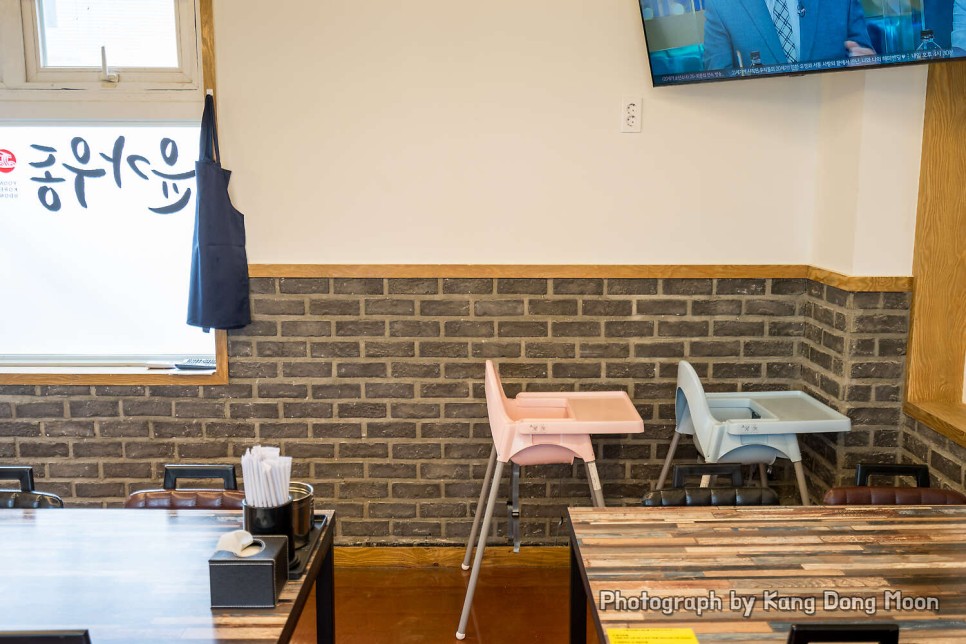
(693, 41)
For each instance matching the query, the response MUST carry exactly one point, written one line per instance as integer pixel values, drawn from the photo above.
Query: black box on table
(249, 582)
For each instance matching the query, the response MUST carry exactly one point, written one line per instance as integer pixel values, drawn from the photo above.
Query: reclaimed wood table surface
(770, 567)
(141, 576)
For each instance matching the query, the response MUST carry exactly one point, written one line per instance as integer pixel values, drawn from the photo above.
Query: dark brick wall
(853, 358)
(375, 386)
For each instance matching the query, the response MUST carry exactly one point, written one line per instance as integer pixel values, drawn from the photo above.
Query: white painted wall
(459, 131)
(867, 191)
(892, 125)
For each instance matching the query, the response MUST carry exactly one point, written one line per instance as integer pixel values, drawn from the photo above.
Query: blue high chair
(748, 428)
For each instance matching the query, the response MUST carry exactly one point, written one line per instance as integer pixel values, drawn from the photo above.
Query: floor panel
(422, 606)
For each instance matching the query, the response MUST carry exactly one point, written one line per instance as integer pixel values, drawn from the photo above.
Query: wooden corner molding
(207, 14)
(937, 338)
(860, 284)
(947, 418)
(589, 271)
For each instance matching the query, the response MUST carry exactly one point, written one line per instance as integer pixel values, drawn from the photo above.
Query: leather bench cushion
(857, 495)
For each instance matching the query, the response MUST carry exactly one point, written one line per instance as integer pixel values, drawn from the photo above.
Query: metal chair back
(714, 470)
(26, 498)
(45, 637)
(878, 633)
(710, 496)
(173, 498)
(864, 471)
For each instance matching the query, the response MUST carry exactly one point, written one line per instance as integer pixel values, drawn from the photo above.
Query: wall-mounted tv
(693, 41)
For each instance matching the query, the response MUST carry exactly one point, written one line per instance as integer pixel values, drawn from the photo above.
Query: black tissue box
(249, 582)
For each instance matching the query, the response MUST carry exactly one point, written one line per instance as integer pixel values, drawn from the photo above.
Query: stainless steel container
(302, 511)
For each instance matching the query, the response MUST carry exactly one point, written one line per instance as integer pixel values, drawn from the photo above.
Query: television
(695, 41)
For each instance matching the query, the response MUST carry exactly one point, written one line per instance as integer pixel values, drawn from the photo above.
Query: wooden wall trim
(627, 271)
(448, 557)
(540, 271)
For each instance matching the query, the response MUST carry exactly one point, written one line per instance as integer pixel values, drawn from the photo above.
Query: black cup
(302, 510)
(272, 521)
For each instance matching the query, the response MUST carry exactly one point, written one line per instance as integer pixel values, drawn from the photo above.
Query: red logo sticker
(7, 161)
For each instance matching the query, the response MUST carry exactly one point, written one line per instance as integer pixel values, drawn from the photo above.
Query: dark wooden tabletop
(859, 553)
(131, 576)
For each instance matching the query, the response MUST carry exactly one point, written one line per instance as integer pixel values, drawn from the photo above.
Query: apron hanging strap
(208, 147)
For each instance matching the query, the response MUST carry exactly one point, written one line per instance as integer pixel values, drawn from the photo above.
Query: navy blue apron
(218, 297)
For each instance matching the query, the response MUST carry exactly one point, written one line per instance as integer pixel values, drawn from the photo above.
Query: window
(96, 228)
(149, 46)
(96, 190)
(70, 33)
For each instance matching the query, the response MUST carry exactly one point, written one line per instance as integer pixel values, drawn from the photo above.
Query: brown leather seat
(186, 499)
(708, 496)
(862, 495)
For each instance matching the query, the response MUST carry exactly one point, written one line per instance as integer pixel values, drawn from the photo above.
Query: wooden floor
(422, 606)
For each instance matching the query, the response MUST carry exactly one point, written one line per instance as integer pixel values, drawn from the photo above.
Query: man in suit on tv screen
(959, 28)
(737, 33)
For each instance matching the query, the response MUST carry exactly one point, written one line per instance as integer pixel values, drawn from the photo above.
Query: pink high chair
(541, 429)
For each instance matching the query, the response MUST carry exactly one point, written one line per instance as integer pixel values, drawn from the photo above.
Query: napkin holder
(254, 581)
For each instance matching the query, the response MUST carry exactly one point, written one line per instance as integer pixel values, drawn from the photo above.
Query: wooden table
(861, 553)
(140, 576)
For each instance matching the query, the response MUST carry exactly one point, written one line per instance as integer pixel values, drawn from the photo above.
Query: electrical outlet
(631, 115)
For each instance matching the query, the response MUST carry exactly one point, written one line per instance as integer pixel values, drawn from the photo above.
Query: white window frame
(22, 78)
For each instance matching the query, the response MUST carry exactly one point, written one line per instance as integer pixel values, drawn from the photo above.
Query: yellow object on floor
(651, 636)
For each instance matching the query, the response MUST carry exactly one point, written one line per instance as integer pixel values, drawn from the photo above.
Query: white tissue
(239, 543)
(267, 475)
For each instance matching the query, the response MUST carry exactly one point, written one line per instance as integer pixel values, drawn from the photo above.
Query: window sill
(112, 376)
(947, 418)
(99, 375)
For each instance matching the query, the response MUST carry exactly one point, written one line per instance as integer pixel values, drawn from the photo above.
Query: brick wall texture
(853, 359)
(375, 387)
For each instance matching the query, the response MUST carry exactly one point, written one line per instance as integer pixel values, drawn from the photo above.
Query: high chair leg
(667, 461)
(800, 476)
(478, 561)
(479, 510)
(596, 493)
(513, 507)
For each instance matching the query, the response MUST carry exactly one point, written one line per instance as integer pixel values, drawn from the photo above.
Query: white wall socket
(631, 114)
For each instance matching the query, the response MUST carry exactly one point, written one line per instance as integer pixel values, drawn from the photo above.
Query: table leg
(578, 601)
(325, 601)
